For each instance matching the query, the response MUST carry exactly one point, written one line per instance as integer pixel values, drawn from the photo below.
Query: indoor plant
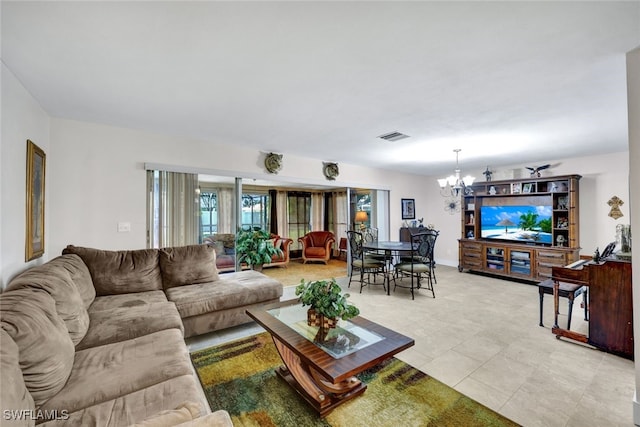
(327, 302)
(255, 248)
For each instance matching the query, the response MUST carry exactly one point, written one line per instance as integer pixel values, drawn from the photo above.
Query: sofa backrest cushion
(120, 272)
(56, 280)
(186, 265)
(80, 275)
(319, 238)
(14, 395)
(45, 349)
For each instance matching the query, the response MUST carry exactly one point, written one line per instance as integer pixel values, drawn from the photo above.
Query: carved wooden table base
(320, 393)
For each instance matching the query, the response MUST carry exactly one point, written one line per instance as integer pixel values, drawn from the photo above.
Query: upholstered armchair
(316, 246)
(283, 244)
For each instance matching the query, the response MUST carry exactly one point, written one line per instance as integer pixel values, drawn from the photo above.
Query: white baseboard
(636, 409)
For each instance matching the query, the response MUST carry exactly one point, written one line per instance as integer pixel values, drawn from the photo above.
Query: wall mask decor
(330, 170)
(273, 162)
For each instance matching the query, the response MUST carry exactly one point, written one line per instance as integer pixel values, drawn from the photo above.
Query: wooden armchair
(316, 246)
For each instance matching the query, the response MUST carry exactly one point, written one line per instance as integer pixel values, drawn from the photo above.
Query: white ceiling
(506, 82)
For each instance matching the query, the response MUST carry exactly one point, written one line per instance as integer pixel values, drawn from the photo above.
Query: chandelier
(453, 185)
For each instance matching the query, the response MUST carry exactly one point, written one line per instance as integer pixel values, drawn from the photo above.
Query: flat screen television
(521, 223)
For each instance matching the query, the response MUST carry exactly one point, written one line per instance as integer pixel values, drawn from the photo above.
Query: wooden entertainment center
(523, 254)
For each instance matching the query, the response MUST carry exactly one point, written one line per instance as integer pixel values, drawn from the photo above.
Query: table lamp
(362, 217)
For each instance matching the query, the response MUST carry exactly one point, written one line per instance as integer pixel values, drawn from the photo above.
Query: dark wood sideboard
(610, 305)
(406, 232)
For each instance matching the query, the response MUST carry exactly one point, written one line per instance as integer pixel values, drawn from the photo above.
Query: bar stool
(566, 290)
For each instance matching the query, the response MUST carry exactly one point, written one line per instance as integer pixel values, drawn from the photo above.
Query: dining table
(391, 248)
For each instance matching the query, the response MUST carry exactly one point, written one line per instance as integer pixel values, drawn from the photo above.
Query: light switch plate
(124, 227)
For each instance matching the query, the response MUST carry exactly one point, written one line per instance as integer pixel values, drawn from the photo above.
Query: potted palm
(255, 248)
(326, 303)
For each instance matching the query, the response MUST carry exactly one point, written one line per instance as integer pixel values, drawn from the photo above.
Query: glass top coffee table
(321, 364)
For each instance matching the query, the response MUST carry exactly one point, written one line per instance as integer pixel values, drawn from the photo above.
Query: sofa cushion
(121, 324)
(14, 395)
(220, 418)
(54, 278)
(225, 262)
(218, 247)
(186, 265)
(231, 290)
(120, 272)
(80, 276)
(107, 372)
(134, 407)
(108, 302)
(315, 252)
(186, 411)
(46, 351)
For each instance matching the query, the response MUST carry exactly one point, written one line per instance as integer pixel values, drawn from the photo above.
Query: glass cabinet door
(520, 262)
(494, 258)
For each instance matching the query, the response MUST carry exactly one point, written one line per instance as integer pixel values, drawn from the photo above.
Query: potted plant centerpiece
(327, 303)
(255, 248)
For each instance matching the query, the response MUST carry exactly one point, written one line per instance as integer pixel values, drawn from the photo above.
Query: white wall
(98, 179)
(22, 119)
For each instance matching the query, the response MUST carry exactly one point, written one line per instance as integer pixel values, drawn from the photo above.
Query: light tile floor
(480, 335)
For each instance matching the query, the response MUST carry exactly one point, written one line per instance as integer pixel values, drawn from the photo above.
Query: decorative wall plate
(273, 162)
(330, 170)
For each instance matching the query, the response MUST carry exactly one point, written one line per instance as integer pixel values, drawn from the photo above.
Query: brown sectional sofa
(96, 337)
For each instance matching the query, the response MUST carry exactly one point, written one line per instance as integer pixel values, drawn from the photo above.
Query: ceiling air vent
(393, 136)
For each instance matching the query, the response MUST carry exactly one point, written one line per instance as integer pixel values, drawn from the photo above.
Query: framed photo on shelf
(408, 208)
(526, 188)
(516, 188)
(35, 202)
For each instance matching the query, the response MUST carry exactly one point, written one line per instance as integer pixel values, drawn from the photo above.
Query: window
(255, 211)
(208, 213)
(363, 203)
(299, 205)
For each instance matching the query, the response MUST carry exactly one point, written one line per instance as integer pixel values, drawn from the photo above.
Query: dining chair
(419, 265)
(360, 262)
(432, 262)
(369, 235)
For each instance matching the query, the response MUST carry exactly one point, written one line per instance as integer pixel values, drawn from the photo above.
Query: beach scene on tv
(526, 224)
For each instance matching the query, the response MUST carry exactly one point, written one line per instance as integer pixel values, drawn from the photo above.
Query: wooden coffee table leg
(320, 393)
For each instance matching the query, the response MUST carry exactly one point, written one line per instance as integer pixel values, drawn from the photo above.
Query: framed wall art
(408, 208)
(36, 159)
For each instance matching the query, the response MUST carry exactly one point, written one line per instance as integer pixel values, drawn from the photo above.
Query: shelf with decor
(469, 218)
(532, 222)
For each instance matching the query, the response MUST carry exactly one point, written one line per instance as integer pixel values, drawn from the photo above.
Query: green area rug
(240, 377)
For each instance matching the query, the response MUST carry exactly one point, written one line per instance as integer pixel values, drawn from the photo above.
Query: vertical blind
(173, 209)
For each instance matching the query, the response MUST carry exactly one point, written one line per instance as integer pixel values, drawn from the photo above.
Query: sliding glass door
(187, 208)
